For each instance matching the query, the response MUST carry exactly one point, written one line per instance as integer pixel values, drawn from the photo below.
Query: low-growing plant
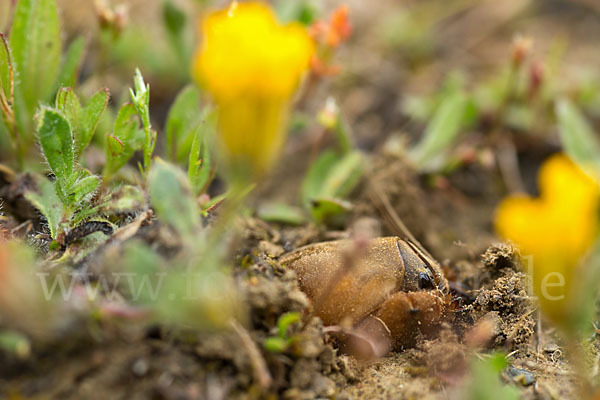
(74, 186)
(282, 341)
(189, 129)
(334, 174)
(32, 69)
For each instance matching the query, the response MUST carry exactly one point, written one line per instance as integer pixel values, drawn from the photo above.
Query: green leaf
(317, 173)
(114, 145)
(171, 198)
(68, 103)
(305, 11)
(141, 100)
(343, 176)
(57, 143)
(83, 120)
(5, 67)
(36, 46)
(329, 211)
(7, 122)
(285, 321)
(124, 141)
(182, 120)
(175, 21)
(71, 63)
(83, 188)
(44, 198)
(275, 344)
(141, 97)
(484, 380)
(90, 115)
(14, 342)
(580, 141)
(331, 178)
(174, 18)
(441, 132)
(281, 213)
(84, 212)
(126, 199)
(200, 168)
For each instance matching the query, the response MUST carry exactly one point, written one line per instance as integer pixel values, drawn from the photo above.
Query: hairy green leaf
(83, 188)
(125, 199)
(83, 120)
(171, 198)
(68, 103)
(115, 146)
(56, 140)
(580, 141)
(141, 100)
(90, 115)
(44, 198)
(124, 141)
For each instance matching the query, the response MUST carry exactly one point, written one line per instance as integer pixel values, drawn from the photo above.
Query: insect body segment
(391, 281)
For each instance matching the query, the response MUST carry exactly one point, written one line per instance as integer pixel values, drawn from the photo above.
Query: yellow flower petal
(252, 66)
(562, 181)
(557, 230)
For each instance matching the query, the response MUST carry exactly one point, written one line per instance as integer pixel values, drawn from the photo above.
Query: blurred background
(398, 48)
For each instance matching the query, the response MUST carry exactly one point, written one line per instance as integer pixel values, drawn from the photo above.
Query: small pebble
(551, 347)
(522, 376)
(140, 367)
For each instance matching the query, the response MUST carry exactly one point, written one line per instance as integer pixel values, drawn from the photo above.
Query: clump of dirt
(160, 362)
(499, 258)
(301, 371)
(445, 356)
(504, 298)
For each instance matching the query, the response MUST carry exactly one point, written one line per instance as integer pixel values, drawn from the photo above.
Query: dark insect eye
(425, 281)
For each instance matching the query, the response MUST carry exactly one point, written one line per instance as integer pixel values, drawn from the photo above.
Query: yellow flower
(557, 229)
(252, 65)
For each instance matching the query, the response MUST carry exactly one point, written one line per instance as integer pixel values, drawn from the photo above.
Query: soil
(450, 215)
(156, 362)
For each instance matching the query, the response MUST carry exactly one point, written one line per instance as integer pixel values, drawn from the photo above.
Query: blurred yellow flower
(557, 229)
(252, 66)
